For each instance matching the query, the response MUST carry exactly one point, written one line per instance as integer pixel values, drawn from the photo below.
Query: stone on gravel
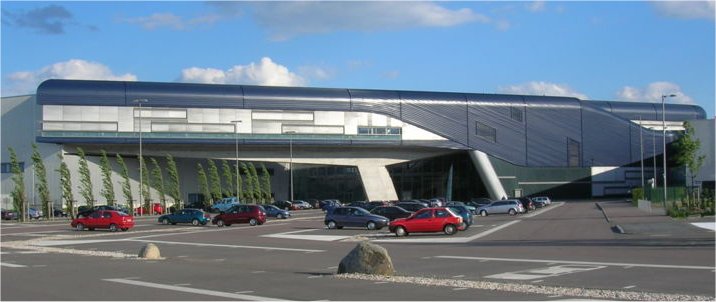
(149, 251)
(367, 258)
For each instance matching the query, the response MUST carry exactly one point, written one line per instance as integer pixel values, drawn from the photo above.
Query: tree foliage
(173, 187)
(126, 185)
(19, 198)
(66, 184)
(41, 184)
(214, 181)
(687, 148)
(85, 179)
(107, 186)
(146, 194)
(203, 184)
(158, 181)
(229, 179)
(265, 183)
(258, 196)
(248, 190)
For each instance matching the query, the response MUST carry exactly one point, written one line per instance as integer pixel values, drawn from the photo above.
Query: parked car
(354, 217)
(427, 220)
(274, 211)
(301, 205)
(436, 202)
(328, 202)
(314, 203)
(478, 202)
(359, 204)
(193, 216)
(34, 213)
(378, 203)
(59, 213)
(411, 206)
(472, 209)
(86, 210)
(283, 204)
(425, 203)
(157, 209)
(104, 219)
(9, 214)
(329, 207)
(245, 213)
(391, 212)
(509, 206)
(542, 199)
(527, 203)
(197, 205)
(463, 212)
(224, 204)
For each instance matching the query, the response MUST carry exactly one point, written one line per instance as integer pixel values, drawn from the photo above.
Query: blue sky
(626, 51)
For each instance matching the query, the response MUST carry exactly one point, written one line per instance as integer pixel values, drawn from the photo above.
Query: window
(369, 130)
(573, 152)
(516, 114)
(424, 215)
(7, 167)
(485, 132)
(441, 213)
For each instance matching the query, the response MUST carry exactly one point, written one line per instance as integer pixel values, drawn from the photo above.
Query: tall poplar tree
(144, 190)
(214, 181)
(249, 188)
(107, 186)
(41, 184)
(158, 181)
(229, 179)
(66, 184)
(19, 199)
(203, 184)
(173, 186)
(265, 183)
(255, 182)
(85, 179)
(126, 185)
(239, 182)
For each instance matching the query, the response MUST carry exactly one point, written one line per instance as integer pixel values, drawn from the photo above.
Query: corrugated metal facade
(526, 130)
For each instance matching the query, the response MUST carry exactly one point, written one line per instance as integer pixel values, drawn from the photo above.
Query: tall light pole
(236, 137)
(141, 159)
(641, 154)
(290, 160)
(663, 126)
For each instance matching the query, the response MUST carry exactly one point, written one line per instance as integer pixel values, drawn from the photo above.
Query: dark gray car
(354, 217)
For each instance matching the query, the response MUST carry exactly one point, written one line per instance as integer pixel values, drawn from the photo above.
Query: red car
(427, 220)
(157, 209)
(245, 213)
(104, 219)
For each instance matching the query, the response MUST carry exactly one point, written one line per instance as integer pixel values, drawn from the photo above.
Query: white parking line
(207, 292)
(580, 262)
(231, 246)
(11, 264)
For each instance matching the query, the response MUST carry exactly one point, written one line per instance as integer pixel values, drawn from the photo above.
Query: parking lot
(564, 251)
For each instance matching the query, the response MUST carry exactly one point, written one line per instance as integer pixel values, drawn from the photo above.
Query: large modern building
(350, 144)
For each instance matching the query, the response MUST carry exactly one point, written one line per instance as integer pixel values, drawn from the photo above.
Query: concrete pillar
(377, 182)
(487, 173)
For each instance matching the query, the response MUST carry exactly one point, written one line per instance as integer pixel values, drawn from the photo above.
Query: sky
(613, 51)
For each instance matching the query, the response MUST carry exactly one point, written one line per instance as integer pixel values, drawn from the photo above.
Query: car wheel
(125, 229)
(400, 232)
(80, 227)
(113, 227)
(165, 221)
(464, 226)
(512, 212)
(370, 225)
(483, 213)
(195, 222)
(219, 223)
(279, 216)
(450, 229)
(331, 224)
(253, 222)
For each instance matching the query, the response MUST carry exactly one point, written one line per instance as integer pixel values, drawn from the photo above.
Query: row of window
(7, 167)
(380, 131)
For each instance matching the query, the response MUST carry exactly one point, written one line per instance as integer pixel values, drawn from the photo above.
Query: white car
(300, 204)
(542, 199)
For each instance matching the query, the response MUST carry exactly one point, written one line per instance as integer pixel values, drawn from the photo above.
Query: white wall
(705, 132)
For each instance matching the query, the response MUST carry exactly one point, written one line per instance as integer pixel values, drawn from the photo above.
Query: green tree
(66, 183)
(203, 184)
(146, 194)
(239, 182)
(229, 179)
(255, 182)
(19, 198)
(107, 186)
(126, 185)
(85, 179)
(687, 148)
(249, 188)
(158, 182)
(214, 181)
(173, 187)
(41, 184)
(265, 183)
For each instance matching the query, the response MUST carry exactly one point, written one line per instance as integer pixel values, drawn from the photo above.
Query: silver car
(510, 206)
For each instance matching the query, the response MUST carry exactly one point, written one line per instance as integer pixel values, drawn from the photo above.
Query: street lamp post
(141, 159)
(236, 138)
(641, 154)
(290, 161)
(663, 126)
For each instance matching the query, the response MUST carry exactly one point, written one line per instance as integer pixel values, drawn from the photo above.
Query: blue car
(274, 211)
(463, 212)
(193, 216)
(354, 217)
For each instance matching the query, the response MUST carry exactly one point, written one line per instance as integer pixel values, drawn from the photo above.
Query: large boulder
(150, 251)
(367, 258)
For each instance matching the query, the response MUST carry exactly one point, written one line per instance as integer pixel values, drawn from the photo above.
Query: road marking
(71, 242)
(11, 264)
(244, 292)
(315, 276)
(204, 230)
(451, 239)
(380, 282)
(182, 284)
(460, 288)
(207, 292)
(231, 246)
(705, 225)
(581, 262)
(258, 272)
(630, 286)
(546, 272)
(459, 276)
(537, 281)
(332, 267)
(290, 235)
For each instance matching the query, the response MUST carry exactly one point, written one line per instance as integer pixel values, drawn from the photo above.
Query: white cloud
(26, 82)
(653, 92)
(536, 6)
(265, 72)
(288, 19)
(172, 21)
(542, 88)
(687, 9)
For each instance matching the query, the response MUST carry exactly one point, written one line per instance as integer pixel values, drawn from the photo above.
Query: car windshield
(451, 210)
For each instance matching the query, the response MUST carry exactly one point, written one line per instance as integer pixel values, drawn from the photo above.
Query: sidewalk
(632, 220)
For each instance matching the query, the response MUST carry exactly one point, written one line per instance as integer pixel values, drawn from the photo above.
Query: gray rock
(367, 258)
(150, 251)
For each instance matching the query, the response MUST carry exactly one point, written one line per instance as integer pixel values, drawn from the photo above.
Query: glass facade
(428, 178)
(327, 182)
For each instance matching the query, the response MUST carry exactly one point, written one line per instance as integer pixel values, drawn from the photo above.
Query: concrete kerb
(616, 228)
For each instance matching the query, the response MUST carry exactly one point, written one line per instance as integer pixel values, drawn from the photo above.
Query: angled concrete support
(488, 175)
(377, 182)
